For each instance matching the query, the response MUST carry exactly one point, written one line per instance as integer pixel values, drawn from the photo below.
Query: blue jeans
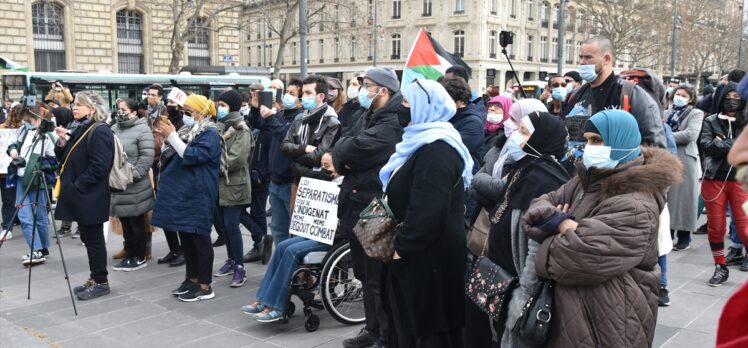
(256, 220)
(26, 215)
(288, 254)
(280, 203)
(9, 203)
(232, 233)
(734, 238)
(663, 268)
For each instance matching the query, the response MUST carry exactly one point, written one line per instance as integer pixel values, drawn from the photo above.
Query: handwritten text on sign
(7, 137)
(315, 213)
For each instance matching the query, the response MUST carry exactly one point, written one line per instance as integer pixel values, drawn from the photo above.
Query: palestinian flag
(428, 60)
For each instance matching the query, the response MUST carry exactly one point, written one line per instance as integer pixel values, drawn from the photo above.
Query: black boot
(178, 261)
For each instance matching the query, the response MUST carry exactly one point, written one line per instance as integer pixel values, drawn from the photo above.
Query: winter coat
(427, 194)
(188, 186)
(360, 155)
(349, 114)
(715, 150)
(683, 199)
(485, 189)
(468, 122)
(276, 127)
(323, 134)
(63, 96)
(137, 140)
(84, 192)
(234, 188)
(259, 171)
(606, 272)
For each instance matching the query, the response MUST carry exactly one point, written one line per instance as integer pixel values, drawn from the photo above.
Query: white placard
(7, 137)
(177, 95)
(315, 212)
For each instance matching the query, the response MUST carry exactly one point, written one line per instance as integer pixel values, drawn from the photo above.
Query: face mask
(514, 150)
(587, 72)
(598, 156)
(188, 121)
(669, 90)
(569, 88)
(173, 111)
(363, 98)
(222, 112)
(308, 103)
(559, 93)
(289, 101)
(28, 125)
(403, 115)
(679, 101)
(494, 118)
(331, 96)
(509, 127)
(352, 92)
(244, 110)
(122, 116)
(731, 105)
(145, 96)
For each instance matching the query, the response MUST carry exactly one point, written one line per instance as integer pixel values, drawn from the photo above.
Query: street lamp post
(375, 35)
(740, 47)
(302, 37)
(561, 34)
(674, 48)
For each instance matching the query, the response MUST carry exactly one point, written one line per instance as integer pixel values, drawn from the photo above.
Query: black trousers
(218, 222)
(172, 240)
(198, 256)
(133, 231)
(93, 237)
(477, 332)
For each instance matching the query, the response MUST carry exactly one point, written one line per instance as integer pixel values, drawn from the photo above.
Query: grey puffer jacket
(137, 139)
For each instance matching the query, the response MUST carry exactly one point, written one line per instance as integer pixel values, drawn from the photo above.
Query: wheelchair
(330, 275)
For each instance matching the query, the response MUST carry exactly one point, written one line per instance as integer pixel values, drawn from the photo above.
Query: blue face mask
(598, 156)
(513, 149)
(222, 112)
(363, 98)
(308, 103)
(587, 72)
(559, 93)
(569, 88)
(289, 101)
(28, 126)
(188, 120)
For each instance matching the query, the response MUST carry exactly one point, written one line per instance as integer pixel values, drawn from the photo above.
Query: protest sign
(7, 137)
(315, 212)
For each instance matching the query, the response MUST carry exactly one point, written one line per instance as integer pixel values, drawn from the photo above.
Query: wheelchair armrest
(314, 258)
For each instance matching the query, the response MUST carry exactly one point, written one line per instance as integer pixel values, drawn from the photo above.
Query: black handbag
(534, 324)
(489, 286)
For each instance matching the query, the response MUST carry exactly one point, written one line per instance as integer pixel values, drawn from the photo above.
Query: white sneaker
(37, 258)
(6, 236)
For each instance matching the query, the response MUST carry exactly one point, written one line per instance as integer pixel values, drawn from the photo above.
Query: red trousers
(715, 201)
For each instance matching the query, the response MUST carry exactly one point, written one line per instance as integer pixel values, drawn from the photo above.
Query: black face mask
(174, 112)
(403, 116)
(730, 105)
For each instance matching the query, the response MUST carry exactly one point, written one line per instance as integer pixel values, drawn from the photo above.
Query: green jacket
(235, 189)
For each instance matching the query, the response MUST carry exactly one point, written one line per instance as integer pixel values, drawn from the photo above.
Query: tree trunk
(176, 57)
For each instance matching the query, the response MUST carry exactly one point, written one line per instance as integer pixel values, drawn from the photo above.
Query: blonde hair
(94, 101)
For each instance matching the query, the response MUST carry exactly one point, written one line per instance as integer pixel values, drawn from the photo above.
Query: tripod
(37, 180)
(514, 72)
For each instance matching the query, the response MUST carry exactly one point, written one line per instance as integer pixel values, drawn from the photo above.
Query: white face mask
(352, 92)
(598, 156)
(494, 118)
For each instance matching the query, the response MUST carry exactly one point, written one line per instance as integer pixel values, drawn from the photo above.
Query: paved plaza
(140, 312)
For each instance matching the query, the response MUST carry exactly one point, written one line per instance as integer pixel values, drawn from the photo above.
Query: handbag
(489, 286)
(479, 233)
(376, 230)
(534, 324)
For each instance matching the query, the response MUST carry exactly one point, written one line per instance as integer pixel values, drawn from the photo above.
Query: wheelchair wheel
(342, 294)
(290, 309)
(312, 323)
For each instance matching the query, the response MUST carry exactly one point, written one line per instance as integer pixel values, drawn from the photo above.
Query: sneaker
(89, 283)
(226, 269)
(721, 273)
(701, 230)
(269, 317)
(45, 252)
(664, 297)
(178, 261)
(681, 246)
(253, 255)
(362, 340)
(744, 265)
(253, 309)
(171, 256)
(62, 232)
(34, 258)
(6, 235)
(219, 241)
(734, 256)
(379, 344)
(135, 264)
(239, 277)
(125, 263)
(92, 292)
(184, 288)
(197, 293)
(76, 234)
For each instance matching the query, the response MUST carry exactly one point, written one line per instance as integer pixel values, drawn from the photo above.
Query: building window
(554, 50)
(459, 43)
(293, 53)
(555, 16)
(337, 50)
(426, 8)
(370, 8)
(569, 52)
(308, 51)
(371, 48)
(249, 56)
(580, 22)
(494, 7)
(353, 48)
(260, 58)
(492, 44)
(510, 51)
(544, 15)
(459, 6)
(396, 9)
(49, 41)
(513, 9)
(198, 51)
(321, 50)
(395, 46)
(544, 49)
(529, 48)
(530, 10)
(130, 42)
(579, 50)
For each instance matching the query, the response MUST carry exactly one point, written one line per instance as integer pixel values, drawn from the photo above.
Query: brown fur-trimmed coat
(606, 269)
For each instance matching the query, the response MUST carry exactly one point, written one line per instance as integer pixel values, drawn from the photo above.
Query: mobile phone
(266, 99)
(165, 119)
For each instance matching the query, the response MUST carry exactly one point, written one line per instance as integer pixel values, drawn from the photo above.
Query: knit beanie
(201, 104)
(232, 98)
(385, 77)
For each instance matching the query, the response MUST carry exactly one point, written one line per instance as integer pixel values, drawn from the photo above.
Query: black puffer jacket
(323, 130)
(717, 136)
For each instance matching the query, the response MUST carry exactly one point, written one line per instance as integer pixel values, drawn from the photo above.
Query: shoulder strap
(93, 127)
(62, 168)
(628, 90)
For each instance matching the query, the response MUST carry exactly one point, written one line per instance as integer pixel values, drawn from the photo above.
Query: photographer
(27, 157)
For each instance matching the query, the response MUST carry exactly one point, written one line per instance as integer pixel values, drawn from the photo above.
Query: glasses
(428, 97)
(77, 105)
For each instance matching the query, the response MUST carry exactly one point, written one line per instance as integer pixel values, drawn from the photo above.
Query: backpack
(121, 174)
(647, 80)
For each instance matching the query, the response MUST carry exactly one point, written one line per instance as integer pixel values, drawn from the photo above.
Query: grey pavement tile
(300, 338)
(689, 338)
(94, 340)
(67, 331)
(226, 338)
(12, 335)
(685, 308)
(178, 335)
(146, 326)
(707, 321)
(663, 333)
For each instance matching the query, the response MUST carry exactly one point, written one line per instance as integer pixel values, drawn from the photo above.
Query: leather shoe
(253, 255)
(178, 261)
(171, 256)
(219, 242)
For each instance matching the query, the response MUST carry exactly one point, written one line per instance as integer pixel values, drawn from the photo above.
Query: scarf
(308, 121)
(188, 134)
(674, 117)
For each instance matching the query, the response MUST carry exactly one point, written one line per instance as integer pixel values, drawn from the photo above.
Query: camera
(18, 162)
(28, 101)
(46, 126)
(506, 38)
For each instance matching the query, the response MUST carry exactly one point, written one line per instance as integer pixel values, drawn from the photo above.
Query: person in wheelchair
(272, 297)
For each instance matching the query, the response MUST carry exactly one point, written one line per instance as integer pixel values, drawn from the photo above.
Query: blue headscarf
(620, 131)
(431, 107)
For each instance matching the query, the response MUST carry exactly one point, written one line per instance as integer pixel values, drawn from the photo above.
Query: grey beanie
(383, 76)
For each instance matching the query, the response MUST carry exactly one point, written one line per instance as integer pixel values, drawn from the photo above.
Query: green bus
(113, 86)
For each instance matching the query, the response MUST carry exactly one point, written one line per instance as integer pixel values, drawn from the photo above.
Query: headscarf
(519, 109)
(201, 104)
(431, 107)
(549, 137)
(620, 131)
(506, 105)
